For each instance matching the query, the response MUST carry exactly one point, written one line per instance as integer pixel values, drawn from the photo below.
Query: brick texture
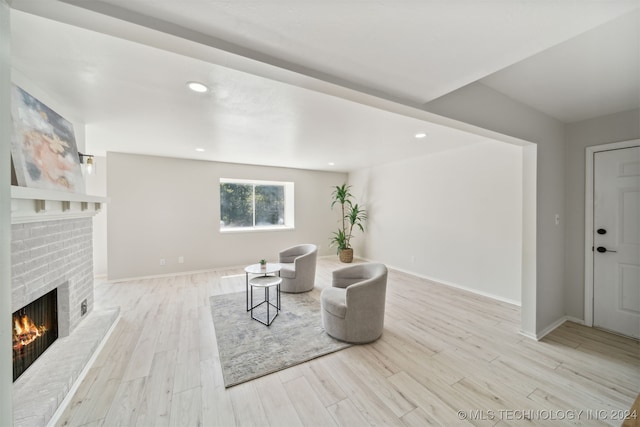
(54, 254)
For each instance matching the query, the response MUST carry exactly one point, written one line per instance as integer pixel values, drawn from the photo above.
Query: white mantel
(33, 204)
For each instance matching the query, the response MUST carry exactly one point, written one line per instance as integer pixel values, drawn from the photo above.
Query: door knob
(602, 249)
(601, 231)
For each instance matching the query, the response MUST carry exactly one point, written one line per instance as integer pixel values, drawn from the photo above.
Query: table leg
(266, 298)
(247, 290)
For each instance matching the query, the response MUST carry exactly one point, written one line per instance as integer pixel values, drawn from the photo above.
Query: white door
(616, 251)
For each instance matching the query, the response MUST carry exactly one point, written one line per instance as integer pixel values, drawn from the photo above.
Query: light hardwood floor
(443, 350)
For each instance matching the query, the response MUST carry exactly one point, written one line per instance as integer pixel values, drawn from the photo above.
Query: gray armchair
(298, 268)
(353, 308)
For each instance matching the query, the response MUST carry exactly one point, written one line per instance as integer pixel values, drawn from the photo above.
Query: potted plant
(352, 216)
(263, 264)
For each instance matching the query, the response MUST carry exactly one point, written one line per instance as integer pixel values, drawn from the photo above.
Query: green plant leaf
(352, 216)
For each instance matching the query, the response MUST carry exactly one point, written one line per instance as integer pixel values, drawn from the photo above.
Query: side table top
(257, 268)
(265, 281)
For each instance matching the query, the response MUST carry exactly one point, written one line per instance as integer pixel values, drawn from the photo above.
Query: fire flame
(25, 331)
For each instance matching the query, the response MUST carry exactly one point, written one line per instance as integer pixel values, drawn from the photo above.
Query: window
(246, 205)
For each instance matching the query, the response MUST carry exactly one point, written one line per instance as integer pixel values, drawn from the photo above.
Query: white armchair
(353, 308)
(298, 268)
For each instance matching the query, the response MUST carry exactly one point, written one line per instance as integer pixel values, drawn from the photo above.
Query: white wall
(559, 275)
(603, 130)
(482, 106)
(166, 208)
(97, 186)
(6, 373)
(454, 217)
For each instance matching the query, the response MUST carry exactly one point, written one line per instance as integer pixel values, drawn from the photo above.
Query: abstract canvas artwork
(43, 146)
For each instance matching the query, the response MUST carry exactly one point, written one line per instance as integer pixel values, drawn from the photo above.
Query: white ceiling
(304, 83)
(592, 75)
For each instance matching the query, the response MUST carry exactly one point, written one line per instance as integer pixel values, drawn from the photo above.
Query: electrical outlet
(162, 261)
(180, 260)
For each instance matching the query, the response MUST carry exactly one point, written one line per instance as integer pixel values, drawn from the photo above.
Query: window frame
(289, 205)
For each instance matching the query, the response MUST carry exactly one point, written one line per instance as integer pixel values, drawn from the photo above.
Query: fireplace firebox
(35, 328)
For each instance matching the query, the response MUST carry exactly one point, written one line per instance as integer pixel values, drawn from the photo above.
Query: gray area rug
(248, 349)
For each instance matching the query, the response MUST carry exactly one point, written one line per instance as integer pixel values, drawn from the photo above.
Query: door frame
(588, 220)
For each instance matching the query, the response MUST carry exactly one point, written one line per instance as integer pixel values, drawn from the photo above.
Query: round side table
(266, 283)
(270, 268)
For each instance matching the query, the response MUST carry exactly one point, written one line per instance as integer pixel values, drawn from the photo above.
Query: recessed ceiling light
(331, 164)
(421, 135)
(197, 87)
(200, 150)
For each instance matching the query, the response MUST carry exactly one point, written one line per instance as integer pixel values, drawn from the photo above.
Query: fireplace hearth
(35, 328)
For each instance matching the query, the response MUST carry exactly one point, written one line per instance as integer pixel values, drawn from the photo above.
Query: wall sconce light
(89, 166)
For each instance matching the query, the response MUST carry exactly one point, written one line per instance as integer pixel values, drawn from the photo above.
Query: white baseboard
(184, 273)
(546, 331)
(528, 335)
(454, 285)
(175, 274)
(575, 320)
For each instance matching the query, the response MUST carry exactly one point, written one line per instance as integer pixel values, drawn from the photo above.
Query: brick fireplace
(52, 253)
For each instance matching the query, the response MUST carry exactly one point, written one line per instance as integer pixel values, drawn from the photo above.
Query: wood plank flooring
(443, 351)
